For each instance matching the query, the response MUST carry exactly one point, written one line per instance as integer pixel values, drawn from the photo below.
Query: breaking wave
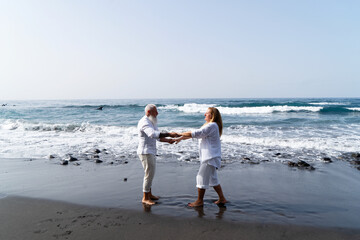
(201, 108)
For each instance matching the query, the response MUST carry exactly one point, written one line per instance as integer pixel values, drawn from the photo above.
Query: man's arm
(163, 137)
(171, 134)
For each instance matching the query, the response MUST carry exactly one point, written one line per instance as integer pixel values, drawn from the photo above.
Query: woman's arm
(167, 140)
(184, 136)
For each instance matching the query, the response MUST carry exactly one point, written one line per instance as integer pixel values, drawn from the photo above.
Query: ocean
(274, 130)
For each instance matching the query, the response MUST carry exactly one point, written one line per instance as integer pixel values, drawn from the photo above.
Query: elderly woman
(210, 155)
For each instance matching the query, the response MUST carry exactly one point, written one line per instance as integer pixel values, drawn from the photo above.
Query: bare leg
(222, 199)
(146, 199)
(200, 200)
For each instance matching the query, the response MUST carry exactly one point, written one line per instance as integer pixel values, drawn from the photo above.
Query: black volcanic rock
(292, 164)
(355, 162)
(72, 159)
(301, 165)
(64, 162)
(327, 159)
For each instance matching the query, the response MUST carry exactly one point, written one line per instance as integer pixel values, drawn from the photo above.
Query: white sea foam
(169, 107)
(354, 109)
(29, 126)
(201, 108)
(195, 108)
(341, 144)
(261, 142)
(26, 139)
(267, 109)
(189, 107)
(10, 124)
(40, 140)
(328, 103)
(333, 138)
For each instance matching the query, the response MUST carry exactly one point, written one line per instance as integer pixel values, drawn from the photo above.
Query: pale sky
(72, 49)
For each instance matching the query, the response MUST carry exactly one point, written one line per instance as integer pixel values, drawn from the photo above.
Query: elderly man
(148, 134)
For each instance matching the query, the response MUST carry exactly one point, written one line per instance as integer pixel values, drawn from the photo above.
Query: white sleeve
(202, 132)
(150, 131)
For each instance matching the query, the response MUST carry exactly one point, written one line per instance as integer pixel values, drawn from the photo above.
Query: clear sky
(72, 49)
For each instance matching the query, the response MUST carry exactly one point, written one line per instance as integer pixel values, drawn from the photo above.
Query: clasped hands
(175, 137)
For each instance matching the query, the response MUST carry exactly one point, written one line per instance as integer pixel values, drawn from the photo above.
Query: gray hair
(149, 107)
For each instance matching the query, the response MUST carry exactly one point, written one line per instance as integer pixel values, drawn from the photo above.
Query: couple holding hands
(209, 152)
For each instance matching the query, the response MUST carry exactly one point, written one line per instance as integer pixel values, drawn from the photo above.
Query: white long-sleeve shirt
(148, 134)
(210, 145)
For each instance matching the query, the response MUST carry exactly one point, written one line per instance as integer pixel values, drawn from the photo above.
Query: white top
(148, 134)
(210, 145)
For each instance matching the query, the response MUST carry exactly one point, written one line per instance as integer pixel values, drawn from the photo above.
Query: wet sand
(25, 218)
(267, 201)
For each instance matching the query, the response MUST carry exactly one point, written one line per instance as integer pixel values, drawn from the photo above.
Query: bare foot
(196, 204)
(152, 197)
(221, 202)
(148, 202)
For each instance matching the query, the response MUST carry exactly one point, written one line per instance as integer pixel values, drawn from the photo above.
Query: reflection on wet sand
(200, 210)
(218, 215)
(146, 207)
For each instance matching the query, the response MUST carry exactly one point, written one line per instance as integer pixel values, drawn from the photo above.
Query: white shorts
(207, 176)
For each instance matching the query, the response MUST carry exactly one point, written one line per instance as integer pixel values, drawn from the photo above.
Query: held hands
(174, 135)
(174, 138)
(183, 137)
(171, 140)
(169, 137)
(177, 137)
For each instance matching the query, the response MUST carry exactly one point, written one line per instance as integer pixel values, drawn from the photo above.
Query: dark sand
(92, 201)
(25, 218)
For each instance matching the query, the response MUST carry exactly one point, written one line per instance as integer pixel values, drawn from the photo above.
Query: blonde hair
(216, 117)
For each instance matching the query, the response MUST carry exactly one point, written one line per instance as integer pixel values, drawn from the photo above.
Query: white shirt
(148, 134)
(210, 145)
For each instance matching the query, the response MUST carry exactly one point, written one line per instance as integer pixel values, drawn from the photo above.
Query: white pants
(149, 164)
(207, 176)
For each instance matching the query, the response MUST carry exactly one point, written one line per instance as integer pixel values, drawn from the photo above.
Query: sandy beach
(41, 199)
(25, 218)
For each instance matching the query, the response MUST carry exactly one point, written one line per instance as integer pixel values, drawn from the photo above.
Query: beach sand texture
(34, 219)
(41, 199)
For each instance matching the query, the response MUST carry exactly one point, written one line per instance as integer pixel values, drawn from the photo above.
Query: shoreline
(268, 193)
(26, 218)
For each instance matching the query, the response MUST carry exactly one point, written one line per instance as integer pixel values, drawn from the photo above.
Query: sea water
(258, 129)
